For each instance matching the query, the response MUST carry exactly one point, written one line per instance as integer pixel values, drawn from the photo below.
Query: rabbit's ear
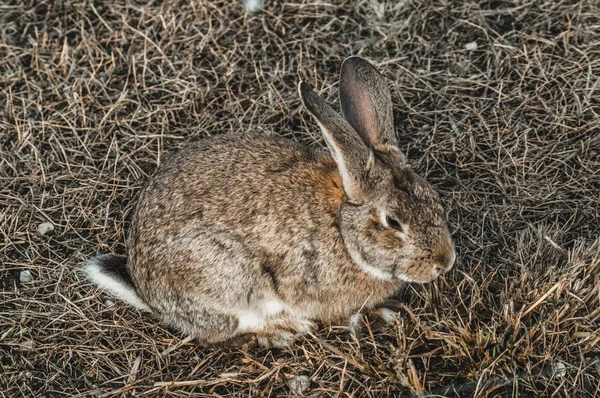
(367, 105)
(349, 151)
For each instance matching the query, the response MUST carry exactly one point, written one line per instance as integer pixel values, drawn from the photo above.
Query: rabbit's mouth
(427, 269)
(422, 279)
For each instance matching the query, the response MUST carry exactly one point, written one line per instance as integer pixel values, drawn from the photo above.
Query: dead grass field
(496, 102)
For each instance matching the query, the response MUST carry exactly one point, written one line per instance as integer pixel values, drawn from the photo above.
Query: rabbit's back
(230, 180)
(253, 185)
(239, 216)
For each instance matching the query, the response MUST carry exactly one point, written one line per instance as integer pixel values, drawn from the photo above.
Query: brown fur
(238, 226)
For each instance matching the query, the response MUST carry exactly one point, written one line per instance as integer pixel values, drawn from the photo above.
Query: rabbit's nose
(445, 261)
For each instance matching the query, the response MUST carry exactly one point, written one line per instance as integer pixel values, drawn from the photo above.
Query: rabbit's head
(393, 223)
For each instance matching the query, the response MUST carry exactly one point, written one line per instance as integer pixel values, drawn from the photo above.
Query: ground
(497, 103)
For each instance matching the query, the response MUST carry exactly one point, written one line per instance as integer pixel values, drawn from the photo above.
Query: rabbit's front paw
(374, 319)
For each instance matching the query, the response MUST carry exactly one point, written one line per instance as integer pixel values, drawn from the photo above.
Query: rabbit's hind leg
(208, 326)
(277, 331)
(281, 330)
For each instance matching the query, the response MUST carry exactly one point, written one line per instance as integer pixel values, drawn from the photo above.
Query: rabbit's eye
(390, 222)
(393, 223)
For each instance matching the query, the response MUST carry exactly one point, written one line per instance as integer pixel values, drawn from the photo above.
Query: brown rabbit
(254, 234)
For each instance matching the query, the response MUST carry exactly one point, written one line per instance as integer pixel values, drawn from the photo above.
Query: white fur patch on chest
(256, 316)
(250, 321)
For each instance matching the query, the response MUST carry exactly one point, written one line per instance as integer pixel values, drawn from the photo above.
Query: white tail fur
(99, 275)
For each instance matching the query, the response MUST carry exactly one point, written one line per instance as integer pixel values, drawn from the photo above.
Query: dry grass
(93, 94)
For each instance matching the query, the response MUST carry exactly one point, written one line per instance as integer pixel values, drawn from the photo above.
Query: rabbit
(257, 235)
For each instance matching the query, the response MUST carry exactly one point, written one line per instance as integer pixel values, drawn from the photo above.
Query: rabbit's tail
(109, 273)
